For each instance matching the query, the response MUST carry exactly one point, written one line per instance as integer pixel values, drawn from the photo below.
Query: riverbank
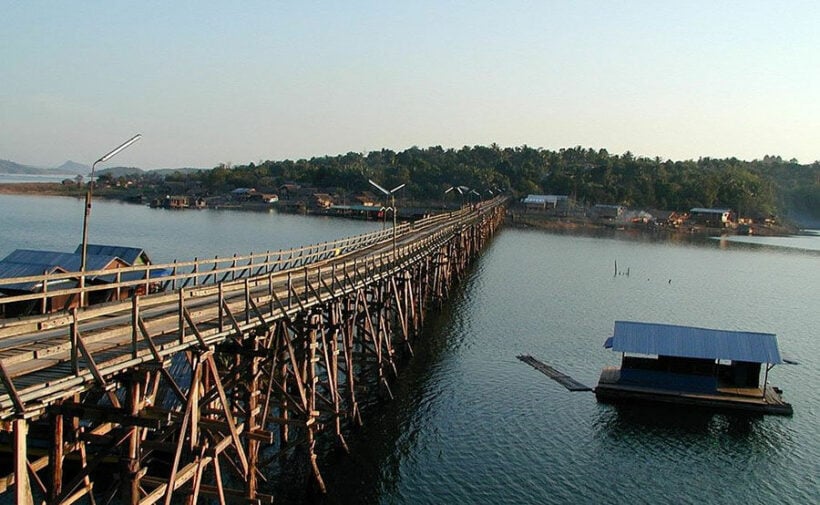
(514, 217)
(586, 225)
(41, 188)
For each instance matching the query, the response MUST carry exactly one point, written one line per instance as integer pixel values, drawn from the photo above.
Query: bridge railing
(58, 292)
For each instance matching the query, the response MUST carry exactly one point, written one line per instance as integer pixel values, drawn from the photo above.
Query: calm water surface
(478, 426)
(472, 424)
(56, 223)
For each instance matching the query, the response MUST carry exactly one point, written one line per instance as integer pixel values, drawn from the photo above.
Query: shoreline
(514, 217)
(588, 226)
(40, 188)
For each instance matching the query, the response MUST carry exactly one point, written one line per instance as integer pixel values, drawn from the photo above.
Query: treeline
(760, 187)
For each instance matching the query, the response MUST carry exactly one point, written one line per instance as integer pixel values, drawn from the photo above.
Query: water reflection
(391, 431)
(661, 427)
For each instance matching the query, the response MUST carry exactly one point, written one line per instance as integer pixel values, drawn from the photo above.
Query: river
(472, 424)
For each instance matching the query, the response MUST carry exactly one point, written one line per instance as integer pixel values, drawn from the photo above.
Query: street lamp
(392, 195)
(88, 193)
(460, 190)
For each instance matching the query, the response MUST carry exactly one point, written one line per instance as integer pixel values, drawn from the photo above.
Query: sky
(236, 82)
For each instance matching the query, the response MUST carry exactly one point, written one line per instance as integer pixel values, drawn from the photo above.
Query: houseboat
(684, 365)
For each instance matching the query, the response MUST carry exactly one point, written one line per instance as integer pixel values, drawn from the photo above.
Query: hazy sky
(211, 82)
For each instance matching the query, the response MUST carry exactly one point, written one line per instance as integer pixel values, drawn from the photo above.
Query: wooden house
(171, 202)
(667, 218)
(27, 263)
(263, 198)
(367, 199)
(544, 202)
(321, 200)
(288, 191)
(610, 212)
(134, 256)
(713, 218)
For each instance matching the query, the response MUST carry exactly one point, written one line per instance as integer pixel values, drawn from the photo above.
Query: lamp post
(88, 194)
(392, 195)
(460, 190)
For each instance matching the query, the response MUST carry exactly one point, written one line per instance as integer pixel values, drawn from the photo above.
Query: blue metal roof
(29, 262)
(702, 210)
(690, 342)
(128, 254)
(361, 208)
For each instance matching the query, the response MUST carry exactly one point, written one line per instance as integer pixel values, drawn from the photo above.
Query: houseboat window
(671, 364)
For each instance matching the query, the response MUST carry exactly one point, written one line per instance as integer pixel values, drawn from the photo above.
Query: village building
(545, 202)
(37, 263)
(171, 202)
(242, 194)
(288, 191)
(264, 198)
(366, 212)
(713, 218)
(321, 200)
(610, 212)
(134, 256)
(667, 218)
(28, 263)
(367, 199)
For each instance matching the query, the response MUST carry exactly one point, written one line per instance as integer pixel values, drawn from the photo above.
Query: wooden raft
(563, 379)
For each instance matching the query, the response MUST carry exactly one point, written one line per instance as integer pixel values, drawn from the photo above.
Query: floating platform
(563, 379)
(749, 400)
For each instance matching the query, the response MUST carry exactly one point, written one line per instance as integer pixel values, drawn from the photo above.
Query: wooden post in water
(55, 456)
(22, 486)
(130, 462)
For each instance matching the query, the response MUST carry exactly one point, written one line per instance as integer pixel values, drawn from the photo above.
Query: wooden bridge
(193, 391)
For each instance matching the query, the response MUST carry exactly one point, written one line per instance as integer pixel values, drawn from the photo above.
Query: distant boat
(684, 365)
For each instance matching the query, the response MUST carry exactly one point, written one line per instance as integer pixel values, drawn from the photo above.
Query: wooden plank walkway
(563, 379)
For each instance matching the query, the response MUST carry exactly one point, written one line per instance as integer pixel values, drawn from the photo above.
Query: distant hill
(169, 171)
(67, 168)
(72, 167)
(162, 172)
(120, 171)
(10, 167)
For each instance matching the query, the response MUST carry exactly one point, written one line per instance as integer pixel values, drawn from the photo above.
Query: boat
(685, 365)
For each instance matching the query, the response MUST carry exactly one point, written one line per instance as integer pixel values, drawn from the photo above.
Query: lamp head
(119, 148)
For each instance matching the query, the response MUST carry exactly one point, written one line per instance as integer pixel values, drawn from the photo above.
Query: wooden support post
(181, 316)
(135, 318)
(56, 456)
(130, 462)
(290, 288)
(74, 333)
(44, 301)
(312, 413)
(221, 303)
(252, 420)
(247, 302)
(22, 485)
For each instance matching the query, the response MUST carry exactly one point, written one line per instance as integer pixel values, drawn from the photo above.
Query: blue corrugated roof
(361, 208)
(690, 342)
(127, 254)
(702, 210)
(29, 262)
